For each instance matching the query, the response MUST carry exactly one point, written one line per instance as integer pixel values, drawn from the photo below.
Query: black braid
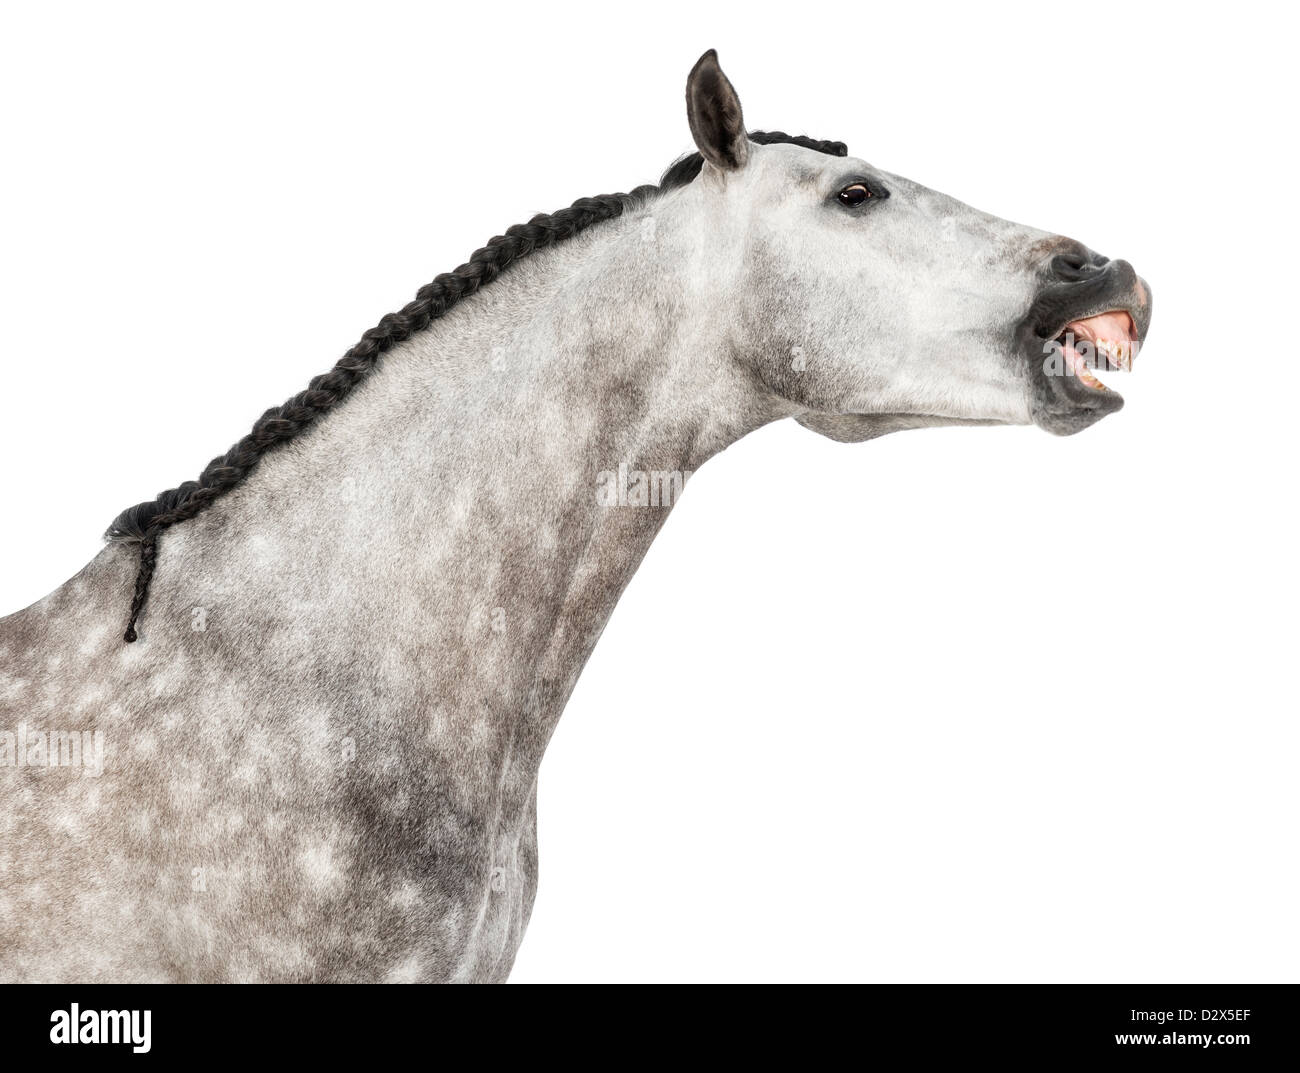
(145, 522)
(148, 557)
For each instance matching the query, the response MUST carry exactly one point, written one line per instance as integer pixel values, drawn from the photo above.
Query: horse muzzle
(1091, 316)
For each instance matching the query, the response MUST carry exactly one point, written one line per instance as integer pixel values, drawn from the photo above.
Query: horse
(287, 724)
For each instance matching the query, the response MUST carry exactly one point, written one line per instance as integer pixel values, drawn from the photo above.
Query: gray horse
(314, 753)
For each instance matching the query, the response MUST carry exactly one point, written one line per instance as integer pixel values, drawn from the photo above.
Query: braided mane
(145, 522)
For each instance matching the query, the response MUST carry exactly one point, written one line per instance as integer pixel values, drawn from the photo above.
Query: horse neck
(449, 516)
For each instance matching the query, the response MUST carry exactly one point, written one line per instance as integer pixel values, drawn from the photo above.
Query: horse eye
(855, 194)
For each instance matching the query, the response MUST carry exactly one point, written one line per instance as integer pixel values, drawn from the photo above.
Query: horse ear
(713, 110)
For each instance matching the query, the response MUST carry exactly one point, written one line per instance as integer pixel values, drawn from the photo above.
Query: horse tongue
(1113, 333)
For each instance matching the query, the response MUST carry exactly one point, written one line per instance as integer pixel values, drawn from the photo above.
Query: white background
(956, 705)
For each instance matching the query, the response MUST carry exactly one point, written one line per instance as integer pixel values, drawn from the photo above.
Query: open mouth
(1104, 341)
(1074, 333)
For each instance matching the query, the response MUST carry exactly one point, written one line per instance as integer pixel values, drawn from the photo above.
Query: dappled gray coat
(318, 758)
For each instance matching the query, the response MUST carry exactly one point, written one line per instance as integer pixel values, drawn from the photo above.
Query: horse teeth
(1117, 352)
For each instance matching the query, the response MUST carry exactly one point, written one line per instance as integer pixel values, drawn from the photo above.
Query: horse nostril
(1076, 263)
